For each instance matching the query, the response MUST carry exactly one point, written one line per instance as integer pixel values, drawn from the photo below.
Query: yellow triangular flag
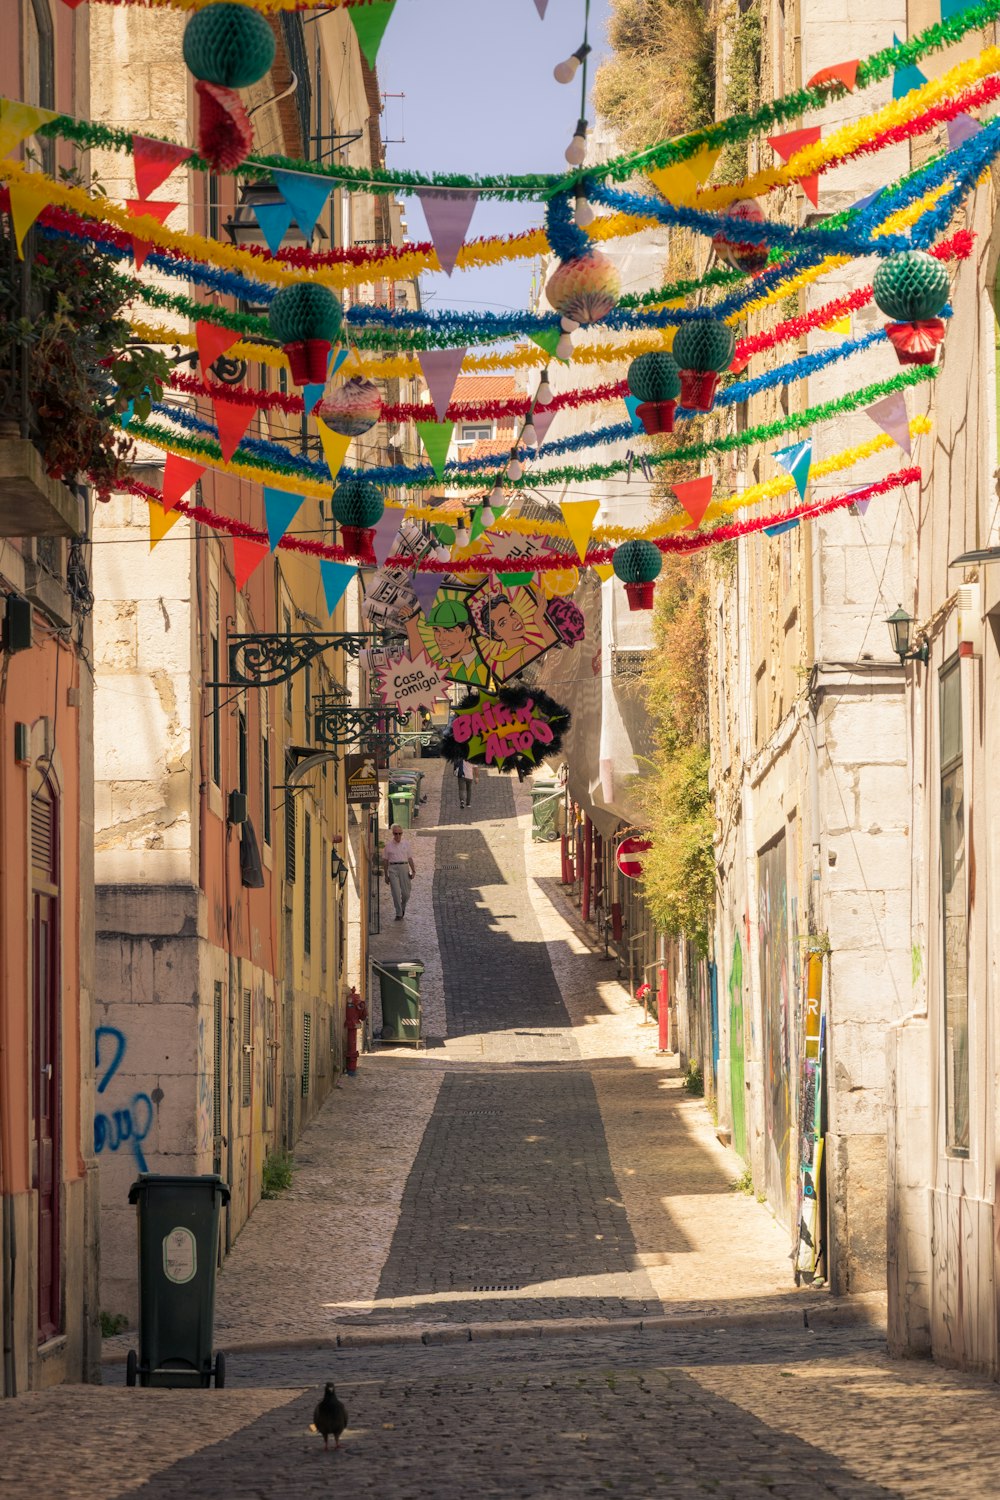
(604, 571)
(702, 164)
(28, 197)
(838, 325)
(679, 182)
(160, 522)
(335, 446)
(579, 517)
(18, 121)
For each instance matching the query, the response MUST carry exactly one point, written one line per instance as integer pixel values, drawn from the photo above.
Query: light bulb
(564, 348)
(529, 435)
(486, 514)
(543, 396)
(514, 468)
(442, 552)
(565, 72)
(584, 213)
(576, 151)
(462, 536)
(568, 325)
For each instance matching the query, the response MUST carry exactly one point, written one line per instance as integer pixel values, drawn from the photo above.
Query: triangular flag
(797, 461)
(386, 532)
(369, 22)
(27, 199)
(695, 496)
(633, 403)
(702, 164)
(436, 438)
(127, 414)
(280, 510)
(795, 140)
(579, 517)
(335, 446)
(906, 78)
(604, 571)
(950, 8)
(838, 325)
(18, 121)
(844, 72)
(306, 196)
(859, 507)
(780, 527)
(478, 529)
(542, 418)
(866, 200)
(179, 474)
(440, 369)
(448, 216)
(275, 221)
(679, 183)
(541, 6)
(213, 341)
(425, 586)
(154, 161)
(336, 576)
(247, 558)
(232, 418)
(515, 580)
(960, 129)
(547, 339)
(160, 522)
(312, 394)
(159, 211)
(890, 415)
(339, 355)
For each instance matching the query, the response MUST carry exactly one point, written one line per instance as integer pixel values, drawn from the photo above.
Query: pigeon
(330, 1416)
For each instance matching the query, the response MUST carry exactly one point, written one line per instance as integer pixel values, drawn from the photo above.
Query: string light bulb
(566, 71)
(584, 213)
(529, 436)
(564, 348)
(486, 513)
(442, 552)
(576, 151)
(462, 537)
(568, 325)
(543, 396)
(514, 466)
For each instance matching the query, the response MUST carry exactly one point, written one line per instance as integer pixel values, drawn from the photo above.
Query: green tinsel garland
(879, 66)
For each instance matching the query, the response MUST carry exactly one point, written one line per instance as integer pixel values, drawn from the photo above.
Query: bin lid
(166, 1179)
(414, 967)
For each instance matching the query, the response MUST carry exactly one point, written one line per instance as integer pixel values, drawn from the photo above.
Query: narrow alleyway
(519, 1254)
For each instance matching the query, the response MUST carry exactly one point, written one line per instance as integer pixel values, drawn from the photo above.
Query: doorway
(45, 1051)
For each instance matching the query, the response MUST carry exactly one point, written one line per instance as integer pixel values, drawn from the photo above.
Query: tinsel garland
(268, 7)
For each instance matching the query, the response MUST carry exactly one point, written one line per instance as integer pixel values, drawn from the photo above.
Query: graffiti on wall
(129, 1125)
(775, 986)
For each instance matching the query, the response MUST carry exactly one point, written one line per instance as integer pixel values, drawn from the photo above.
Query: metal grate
(500, 1286)
(307, 1022)
(246, 1056)
(628, 666)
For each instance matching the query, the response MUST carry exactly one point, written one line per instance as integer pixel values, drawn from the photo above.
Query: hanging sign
(361, 773)
(625, 855)
(514, 729)
(411, 682)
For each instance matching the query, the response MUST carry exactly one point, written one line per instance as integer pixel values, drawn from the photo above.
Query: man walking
(397, 862)
(466, 773)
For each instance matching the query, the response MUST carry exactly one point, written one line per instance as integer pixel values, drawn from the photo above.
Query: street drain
(470, 1112)
(500, 1286)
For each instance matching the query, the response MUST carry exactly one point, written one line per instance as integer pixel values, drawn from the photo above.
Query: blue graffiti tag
(131, 1124)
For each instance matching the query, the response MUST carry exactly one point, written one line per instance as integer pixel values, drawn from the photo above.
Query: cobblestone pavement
(518, 1254)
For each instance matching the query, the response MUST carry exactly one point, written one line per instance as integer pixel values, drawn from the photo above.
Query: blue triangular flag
(951, 8)
(127, 414)
(336, 576)
(960, 129)
(339, 355)
(781, 526)
(425, 586)
(280, 510)
(797, 461)
(633, 403)
(906, 78)
(274, 220)
(305, 195)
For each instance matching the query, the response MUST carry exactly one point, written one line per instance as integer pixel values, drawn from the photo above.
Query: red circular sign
(625, 855)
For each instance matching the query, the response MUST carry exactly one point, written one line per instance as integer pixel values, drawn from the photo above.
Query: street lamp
(338, 869)
(901, 634)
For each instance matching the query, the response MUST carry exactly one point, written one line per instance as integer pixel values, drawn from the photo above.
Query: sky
(480, 98)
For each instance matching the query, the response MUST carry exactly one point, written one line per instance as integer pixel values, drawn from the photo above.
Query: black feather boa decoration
(514, 729)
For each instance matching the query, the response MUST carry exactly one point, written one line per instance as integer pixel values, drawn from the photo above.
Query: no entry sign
(626, 855)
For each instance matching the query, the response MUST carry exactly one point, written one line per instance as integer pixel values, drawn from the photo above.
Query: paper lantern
(742, 255)
(305, 319)
(656, 380)
(702, 349)
(912, 288)
(584, 289)
(352, 409)
(230, 45)
(225, 134)
(637, 564)
(357, 509)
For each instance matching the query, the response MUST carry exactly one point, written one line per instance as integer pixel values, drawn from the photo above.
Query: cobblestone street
(519, 1255)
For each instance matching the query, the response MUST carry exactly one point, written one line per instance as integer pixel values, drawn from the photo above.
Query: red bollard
(355, 1014)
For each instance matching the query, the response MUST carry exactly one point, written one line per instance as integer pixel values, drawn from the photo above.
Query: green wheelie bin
(401, 804)
(546, 798)
(401, 1013)
(178, 1221)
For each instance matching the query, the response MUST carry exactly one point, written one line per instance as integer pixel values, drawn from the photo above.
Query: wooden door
(45, 1055)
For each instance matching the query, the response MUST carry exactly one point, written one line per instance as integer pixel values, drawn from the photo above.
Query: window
(289, 806)
(954, 915)
(324, 902)
(242, 752)
(265, 768)
(40, 69)
(270, 1055)
(474, 432)
(307, 1022)
(246, 1052)
(216, 676)
(307, 884)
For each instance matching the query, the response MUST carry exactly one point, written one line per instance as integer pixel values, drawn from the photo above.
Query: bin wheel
(220, 1371)
(131, 1368)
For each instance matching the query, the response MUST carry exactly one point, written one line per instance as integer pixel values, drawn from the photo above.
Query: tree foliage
(660, 79)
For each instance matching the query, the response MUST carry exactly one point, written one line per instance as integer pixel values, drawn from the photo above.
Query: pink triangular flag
(386, 532)
(213, 341)
(440, 369)
(154, 161)
(890, 415)
(541, 6)
(232, 418)
(448, 216)
(960, 129)
(247, 558)
(179, 474)
(694, 495)
(541, 419)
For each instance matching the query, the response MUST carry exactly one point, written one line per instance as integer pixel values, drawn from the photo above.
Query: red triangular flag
(160, 211)
(179, 474)
(694, 495)
(154, 161)
(213, 341)
(232, 418)
(786, 147)
(247, 558)
(845, 73)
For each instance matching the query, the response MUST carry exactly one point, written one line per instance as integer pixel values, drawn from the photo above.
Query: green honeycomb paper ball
(654, 377)
(637, 562)
(704, 345)
(304, 310)
(358, 503)
(911, 286)
(229, 45)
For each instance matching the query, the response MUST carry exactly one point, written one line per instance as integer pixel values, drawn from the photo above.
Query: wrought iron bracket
(336, 723)
(267, 660)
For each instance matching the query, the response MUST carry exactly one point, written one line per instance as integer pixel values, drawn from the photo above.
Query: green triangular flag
(436, 437)
(369, 23)
(548, 340)
(477, 521)
(513, 580)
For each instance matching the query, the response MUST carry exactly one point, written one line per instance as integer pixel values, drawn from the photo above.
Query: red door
(45, 1054)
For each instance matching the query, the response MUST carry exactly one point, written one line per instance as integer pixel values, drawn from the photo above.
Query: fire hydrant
(355, 1014)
